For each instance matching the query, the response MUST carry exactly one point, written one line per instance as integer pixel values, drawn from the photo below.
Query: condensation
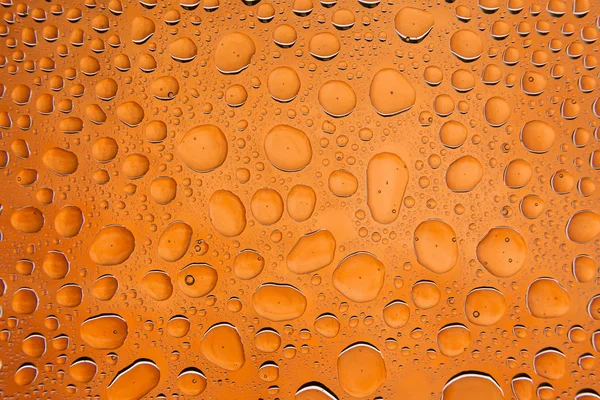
(299, 199)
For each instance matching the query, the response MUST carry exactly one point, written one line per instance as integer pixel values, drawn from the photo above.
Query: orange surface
(279, 200)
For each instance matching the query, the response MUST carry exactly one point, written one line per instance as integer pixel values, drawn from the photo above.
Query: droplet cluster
(311, 200)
